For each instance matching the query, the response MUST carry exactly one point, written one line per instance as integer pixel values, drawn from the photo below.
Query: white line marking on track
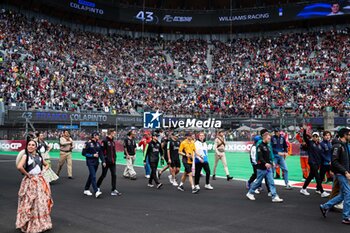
(5, 161)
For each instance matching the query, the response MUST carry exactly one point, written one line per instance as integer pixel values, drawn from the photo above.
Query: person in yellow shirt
(187, 150)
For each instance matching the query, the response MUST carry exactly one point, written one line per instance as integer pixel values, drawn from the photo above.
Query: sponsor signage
(69, 127)
(87, 6)
(68, 118)
(154, 120)
(59, 117)
(88, 123)
(14, 145)
(192, 18)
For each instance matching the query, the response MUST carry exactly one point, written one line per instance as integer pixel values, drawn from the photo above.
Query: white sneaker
(318, 192)
(269, 194)
(175, 183)
(325, 194)
(339, 206)
(116, 193)
(147, 176)
(170, 178)
(150, 185)
(257, 191)
(288, 187)
(250, 196)
(277, 199)
(87, 193)
(98, 193)
(208, 186)
(197, 187)
(304, 192)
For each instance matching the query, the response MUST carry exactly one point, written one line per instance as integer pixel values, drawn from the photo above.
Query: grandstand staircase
(170, 61)
(209, 60)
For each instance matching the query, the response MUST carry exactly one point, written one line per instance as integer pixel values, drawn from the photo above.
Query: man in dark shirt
(109, 152)
(130, 155)
(163, 142)
(341, 169)
(153, 151)
(264, 169)
(93, 151)
(326, 155)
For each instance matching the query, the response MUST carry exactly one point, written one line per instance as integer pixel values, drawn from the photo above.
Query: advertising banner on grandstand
(209, 18)
(71, 117)
(88, 8)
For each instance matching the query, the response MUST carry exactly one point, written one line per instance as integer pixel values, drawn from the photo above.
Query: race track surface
(147, 210)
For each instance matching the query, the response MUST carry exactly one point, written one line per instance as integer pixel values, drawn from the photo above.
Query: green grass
(238, 163)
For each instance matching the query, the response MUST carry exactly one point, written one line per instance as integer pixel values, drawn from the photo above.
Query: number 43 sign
(147, 16)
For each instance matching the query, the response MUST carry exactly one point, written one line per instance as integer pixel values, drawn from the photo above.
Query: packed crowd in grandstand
(52, 67)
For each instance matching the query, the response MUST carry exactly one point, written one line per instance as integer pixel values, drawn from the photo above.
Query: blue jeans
(282, 163)
(147, 167)
(92, 178)
(344, 194)
(261, 174)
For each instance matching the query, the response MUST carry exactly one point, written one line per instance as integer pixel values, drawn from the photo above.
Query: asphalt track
(147, 210)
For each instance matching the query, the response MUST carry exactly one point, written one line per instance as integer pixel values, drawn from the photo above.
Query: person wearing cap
(341, 169)
(110, 155)
(187, 150)
(144, 141)
(280, 151)
(130, 155)
(66, 147)
(314, 151)
(219, 148)
(264, 170)
(93, 152)
(173, 156)
(153, 151)
(202, 162)
(253, 161)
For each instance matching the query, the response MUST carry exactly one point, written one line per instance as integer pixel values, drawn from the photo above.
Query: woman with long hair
(34, 196)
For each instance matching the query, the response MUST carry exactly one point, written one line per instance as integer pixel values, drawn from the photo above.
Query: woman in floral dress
(34, 196)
